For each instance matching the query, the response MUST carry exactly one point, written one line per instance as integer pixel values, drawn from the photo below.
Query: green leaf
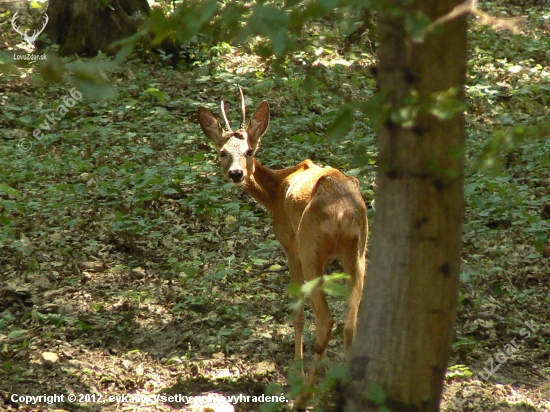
(146, 150)
(416, 26)
(335, 289)
(377, 108)
(376, 393)
(9, 190)
(296, 304)
(446, 105)
(296, 138)
(160, 96)
(190, 271)
(540, 240)
(342, 123)
(336, 276)
(98, 307)
(90, 81)
(174, 360)
(199, 156)
(295, 290)
(127, 45)
(338, 372)
(308, 287)
(9, 204)
(310, 83)
(83, 325)
(458, 371)
(270, 21)
(4, 220)
(187, 159)
(16, 333)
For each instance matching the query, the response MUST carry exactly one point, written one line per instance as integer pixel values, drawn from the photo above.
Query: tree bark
(406, 321)
(86, 27)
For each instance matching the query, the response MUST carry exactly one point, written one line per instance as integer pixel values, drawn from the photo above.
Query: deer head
(28, 39)
(236, 147)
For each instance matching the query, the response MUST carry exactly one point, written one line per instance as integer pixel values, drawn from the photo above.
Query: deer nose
(236, 175)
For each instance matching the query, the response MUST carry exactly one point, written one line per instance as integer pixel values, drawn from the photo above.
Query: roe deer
(318, 214)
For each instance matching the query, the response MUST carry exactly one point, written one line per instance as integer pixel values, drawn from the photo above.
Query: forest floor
(133, 276)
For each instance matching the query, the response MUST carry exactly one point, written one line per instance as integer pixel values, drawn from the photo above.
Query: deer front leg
(296, 276)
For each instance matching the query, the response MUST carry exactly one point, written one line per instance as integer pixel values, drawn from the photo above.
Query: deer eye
(250, 152)
(223, 153)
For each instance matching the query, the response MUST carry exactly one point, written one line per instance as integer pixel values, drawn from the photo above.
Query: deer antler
(14, 24)
(227, 124)
(37, 32)
(243, 108)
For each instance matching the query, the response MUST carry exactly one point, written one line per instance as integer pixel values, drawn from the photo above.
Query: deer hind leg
(353, 262)
(313, 258)
(313, 268)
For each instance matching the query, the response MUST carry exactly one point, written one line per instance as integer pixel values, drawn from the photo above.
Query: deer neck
(264, 184)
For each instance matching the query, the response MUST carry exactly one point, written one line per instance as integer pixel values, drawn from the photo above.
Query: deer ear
(210, 126)
(258, 124)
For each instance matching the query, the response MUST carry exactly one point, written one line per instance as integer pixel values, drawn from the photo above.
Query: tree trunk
(86, 27)
(406, 322)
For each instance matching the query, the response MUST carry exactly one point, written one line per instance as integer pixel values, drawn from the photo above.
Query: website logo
(29, 39)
